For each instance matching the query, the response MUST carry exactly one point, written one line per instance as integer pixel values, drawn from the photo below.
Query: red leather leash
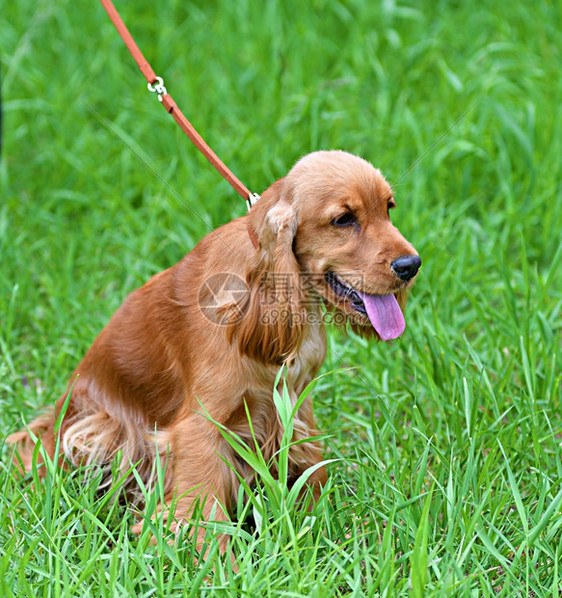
(156, 84)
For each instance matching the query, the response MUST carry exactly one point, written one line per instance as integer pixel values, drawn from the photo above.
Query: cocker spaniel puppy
(210, 334)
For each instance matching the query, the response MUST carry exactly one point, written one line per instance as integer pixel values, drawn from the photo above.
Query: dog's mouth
(383, 311)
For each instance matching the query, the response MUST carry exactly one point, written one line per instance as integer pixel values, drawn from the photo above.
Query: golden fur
(161, 353)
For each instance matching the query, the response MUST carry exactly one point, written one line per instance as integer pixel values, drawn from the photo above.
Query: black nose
(406, 266)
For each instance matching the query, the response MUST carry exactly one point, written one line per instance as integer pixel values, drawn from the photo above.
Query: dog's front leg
(199, 474)
(199, 470)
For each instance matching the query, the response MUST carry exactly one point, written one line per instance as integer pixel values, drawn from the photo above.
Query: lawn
(445, 445)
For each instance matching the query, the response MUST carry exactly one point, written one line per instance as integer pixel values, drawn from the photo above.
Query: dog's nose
(406, 266)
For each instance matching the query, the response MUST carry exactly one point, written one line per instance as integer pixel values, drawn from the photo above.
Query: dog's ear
(271, 328)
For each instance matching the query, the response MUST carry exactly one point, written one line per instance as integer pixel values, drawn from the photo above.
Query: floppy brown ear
(274, 316)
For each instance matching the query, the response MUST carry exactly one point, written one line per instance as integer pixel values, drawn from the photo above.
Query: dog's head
(326, 228)
(358, 260)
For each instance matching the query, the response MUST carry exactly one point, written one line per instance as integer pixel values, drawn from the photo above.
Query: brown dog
(213, 330)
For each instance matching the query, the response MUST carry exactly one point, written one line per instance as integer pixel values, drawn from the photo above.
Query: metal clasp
(252, 199)
(158, 87)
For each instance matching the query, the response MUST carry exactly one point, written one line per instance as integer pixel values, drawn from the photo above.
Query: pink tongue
(385, 315)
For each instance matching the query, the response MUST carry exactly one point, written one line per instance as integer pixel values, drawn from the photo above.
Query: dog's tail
(42, 428)
(95, 438)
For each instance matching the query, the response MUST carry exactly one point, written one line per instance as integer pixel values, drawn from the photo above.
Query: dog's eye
(347, 219)
(389, 206)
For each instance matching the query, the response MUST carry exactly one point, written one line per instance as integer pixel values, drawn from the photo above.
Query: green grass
(447, 471)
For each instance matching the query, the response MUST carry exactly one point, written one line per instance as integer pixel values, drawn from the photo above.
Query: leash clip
(158, 87)
(252, 199)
